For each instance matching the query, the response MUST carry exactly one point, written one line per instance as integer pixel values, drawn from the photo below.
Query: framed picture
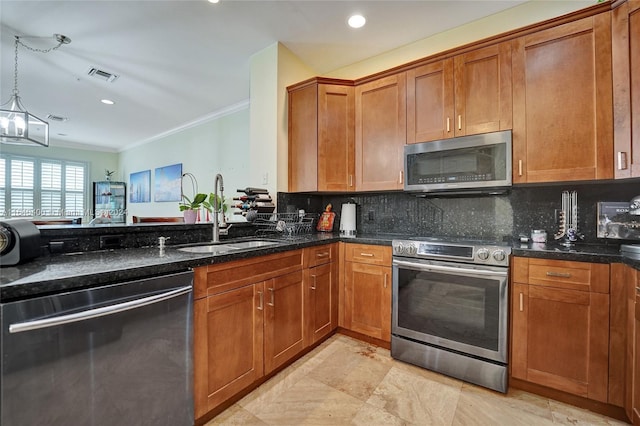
(167, 183)
(140, 187)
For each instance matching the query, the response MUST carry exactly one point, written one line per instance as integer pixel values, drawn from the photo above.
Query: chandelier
(17, 125)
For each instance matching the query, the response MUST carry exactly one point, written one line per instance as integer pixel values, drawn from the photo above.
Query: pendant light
(17, 125)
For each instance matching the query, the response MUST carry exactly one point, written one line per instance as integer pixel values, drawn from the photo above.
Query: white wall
(510, 19)
(217, 146)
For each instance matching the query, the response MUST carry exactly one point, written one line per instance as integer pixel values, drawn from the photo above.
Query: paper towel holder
(348, 219)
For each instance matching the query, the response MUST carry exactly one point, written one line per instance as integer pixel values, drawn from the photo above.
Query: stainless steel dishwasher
(114, 355)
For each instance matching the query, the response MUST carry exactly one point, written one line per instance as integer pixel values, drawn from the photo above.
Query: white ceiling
(180, 61)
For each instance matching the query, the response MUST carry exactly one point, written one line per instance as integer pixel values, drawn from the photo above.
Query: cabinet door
(284, 323)
(303, 139)
(483, 100)
(380, 133)
(367, 302)
(430, 104)
(626, 88)
(228, 341)
(560, 339)
(335, 138)
(562, 96)
(321, 283)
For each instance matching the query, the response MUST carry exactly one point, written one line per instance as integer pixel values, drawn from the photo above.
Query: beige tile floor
(348, 382)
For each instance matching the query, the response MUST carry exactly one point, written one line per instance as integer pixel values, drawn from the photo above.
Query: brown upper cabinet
(464, 95)
(380, 133)
(562, 97)
(321, 137)
(626, 88)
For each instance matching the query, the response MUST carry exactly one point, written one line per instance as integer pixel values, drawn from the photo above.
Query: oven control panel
(469, 252)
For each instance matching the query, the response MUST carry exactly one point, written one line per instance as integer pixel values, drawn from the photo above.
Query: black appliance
(19, 241)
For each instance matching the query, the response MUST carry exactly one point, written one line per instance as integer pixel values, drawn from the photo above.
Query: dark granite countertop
(582, 252)
(66, 272)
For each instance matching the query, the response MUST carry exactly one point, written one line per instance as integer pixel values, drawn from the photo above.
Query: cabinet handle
(325, 254)
(519, 167)
(261, 298)
(622, 160)
(273, 301)
(401, 179)
(366, 254)
(521, 302)
(385, 281)
(459, 122)
(448, 124)
(313, 287)
(558, 274)
(637, 288)
(350, 180)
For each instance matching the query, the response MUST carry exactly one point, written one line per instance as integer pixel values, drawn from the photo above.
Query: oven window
(454, 307)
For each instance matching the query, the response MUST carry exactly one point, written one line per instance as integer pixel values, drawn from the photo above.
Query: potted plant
(190, 207)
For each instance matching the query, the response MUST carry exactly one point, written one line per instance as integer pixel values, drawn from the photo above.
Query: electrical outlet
(265, 179)
(371, 215)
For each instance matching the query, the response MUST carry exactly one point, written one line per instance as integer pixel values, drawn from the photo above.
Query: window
(37, 187)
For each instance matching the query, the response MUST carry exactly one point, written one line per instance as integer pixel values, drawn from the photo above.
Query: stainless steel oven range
(450, 306)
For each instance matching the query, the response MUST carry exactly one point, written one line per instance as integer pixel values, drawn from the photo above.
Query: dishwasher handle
(97, 312)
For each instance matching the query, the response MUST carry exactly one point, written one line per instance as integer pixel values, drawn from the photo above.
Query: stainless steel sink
(221, 248)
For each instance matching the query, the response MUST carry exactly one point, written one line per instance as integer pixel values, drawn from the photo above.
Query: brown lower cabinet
(560, 325)
(253, 316)
(367, 290)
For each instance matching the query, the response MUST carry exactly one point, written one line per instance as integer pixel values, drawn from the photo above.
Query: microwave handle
(450, 269)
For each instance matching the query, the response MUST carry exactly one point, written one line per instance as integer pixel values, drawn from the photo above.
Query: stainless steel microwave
(464, 165)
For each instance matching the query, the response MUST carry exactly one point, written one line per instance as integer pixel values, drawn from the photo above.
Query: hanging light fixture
(17, 125)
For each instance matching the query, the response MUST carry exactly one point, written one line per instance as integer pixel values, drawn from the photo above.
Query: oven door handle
(451, 269)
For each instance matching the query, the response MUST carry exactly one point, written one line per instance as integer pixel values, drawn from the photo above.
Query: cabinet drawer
(582, 276)
(215, 279)
(365, 253)
(319, 255)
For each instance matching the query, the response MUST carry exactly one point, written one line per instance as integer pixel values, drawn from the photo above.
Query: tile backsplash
(497, 217)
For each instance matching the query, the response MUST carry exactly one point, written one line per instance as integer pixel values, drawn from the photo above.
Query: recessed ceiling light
(357, 21)
(213, 1)
(107, 101)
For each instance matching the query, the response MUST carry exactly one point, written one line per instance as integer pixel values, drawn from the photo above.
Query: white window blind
(22, 188)
(35, 187)
(3, 188)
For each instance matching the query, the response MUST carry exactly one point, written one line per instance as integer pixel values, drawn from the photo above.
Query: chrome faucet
(216, 223)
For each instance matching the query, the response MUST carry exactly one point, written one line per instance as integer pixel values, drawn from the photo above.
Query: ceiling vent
(102, 75)
(56, 118)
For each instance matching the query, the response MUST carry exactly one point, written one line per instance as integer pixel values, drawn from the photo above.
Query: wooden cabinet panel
(321, 137)
(468, 94)
(483, 99)
(367, 302)
(303, 139)
(319, 255)
(560, 336)
(380, 133)
(322, 304)
(284, 323)
(335, 138)
(221, 277)
(562, 95)
(626, 88)
(224, 323)
(430, 103)
(366, 253)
